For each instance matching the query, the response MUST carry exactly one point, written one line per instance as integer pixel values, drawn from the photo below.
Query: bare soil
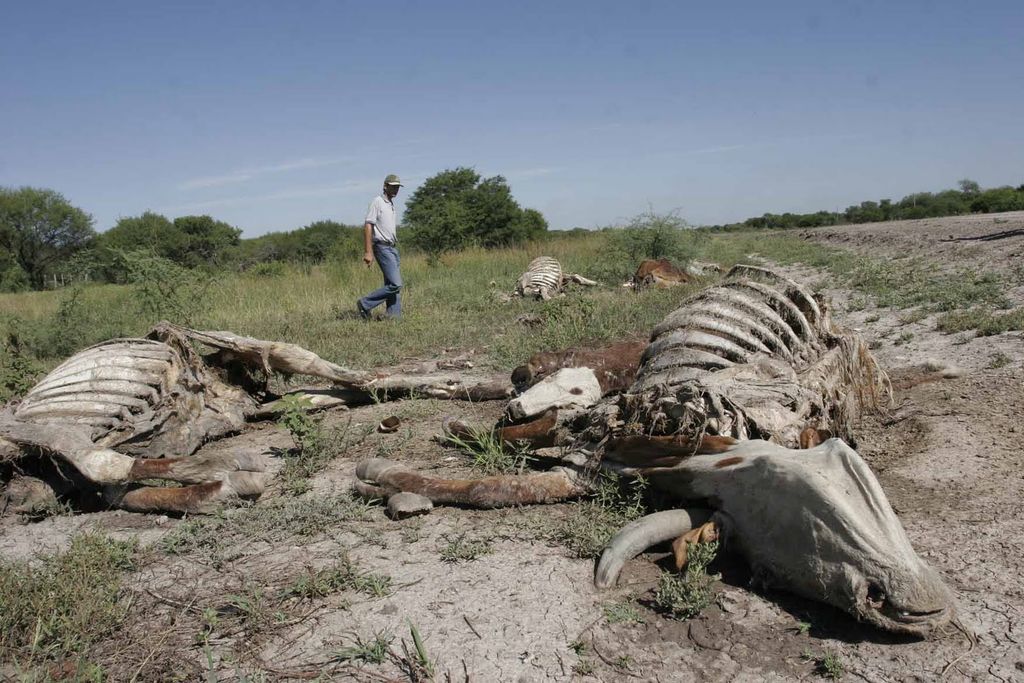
(947, 454)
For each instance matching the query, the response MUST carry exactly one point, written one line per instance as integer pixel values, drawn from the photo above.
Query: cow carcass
(544, 279)
(132, 410)
(731, 386)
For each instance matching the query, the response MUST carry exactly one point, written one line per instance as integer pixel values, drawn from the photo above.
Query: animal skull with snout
(732, 411)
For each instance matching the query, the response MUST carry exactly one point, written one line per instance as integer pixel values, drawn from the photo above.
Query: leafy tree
(969, 187)
(39, 228)
(151, 232)
(456, 208)
(207, 240)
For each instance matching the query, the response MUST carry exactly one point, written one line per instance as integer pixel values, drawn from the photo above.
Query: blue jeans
(387, 259)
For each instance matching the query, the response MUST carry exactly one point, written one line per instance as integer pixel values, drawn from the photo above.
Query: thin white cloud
(533, 172)
(244, 174)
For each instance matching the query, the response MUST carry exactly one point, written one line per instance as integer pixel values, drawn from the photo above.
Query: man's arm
(368, 240)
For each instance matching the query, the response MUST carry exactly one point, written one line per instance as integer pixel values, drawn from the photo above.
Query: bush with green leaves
(457, 208)
(648, 235)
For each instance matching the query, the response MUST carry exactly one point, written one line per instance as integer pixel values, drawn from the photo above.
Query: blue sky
(273, 115)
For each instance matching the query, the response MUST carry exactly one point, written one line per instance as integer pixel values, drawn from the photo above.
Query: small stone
(402, 505)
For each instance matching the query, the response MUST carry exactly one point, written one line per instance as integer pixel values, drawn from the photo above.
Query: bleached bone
(569, 387)
(544, 278)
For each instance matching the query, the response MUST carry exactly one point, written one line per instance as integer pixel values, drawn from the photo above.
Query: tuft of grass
(593, 522)
(903, 338)
(60, 606)
(462, 549)
(416, 662)
(490, 455)
(342, 575)
(998, 360)
(685, 596)
(372, 651)
(622, 613)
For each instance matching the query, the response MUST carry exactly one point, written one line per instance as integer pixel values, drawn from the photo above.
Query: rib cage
(145, 396)
(754, 357)
(543, 277)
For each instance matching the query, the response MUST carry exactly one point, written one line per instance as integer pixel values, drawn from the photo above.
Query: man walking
(381, 238)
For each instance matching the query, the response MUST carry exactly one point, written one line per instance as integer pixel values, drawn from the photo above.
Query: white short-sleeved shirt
(382, 215)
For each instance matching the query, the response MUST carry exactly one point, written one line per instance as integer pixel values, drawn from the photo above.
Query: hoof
(373, 469)
(402, 505)
(452, 427)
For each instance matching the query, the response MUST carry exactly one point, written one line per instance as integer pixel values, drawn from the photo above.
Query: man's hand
(367, 259)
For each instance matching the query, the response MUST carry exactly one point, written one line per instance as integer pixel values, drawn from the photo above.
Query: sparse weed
(622, 613)
(903, 338)
(416, 662)
(593, 522)
(986, 321)
(270, 521)
(685, 596)
(998, 360)
(584, 667)
(342, 575)
(803, 627)
(830, 665)
(873, 318)
(315, 444)
(915, 315)
(59, 607)
(372, 651)
(462, 549)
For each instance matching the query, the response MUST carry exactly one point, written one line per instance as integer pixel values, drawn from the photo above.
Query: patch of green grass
(489, 455)
(59, 606)
(986, 321)
(460, 548)
(216, 536)
(342, 575)
(622, 613)
(685, 596)
(593, 522)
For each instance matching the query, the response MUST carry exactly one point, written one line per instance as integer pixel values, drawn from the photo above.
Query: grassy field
(455, 305)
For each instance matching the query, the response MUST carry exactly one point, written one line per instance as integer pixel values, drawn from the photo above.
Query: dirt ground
(946, 454)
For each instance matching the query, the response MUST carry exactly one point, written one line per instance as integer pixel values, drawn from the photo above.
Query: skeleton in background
(544, 278)
(731, 384)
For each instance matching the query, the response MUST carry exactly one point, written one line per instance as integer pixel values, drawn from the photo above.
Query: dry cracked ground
(494, 598)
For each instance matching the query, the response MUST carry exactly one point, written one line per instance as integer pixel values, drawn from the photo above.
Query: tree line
(44, 240)
(969, 198)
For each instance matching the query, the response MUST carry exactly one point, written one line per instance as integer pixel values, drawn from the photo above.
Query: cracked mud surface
(947, 455)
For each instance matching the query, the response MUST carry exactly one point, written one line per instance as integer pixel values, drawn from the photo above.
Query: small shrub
(829, 665)
(315, 445)
(685, 596)
(18, 371)
(165, 290)
(268, 269)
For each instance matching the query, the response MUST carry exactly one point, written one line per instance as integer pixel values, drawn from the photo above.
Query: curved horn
(638, 536)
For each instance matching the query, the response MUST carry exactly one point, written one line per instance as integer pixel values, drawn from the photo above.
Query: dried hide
(658, 273)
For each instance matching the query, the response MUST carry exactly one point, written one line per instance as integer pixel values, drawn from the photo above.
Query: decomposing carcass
(658, 273)
(738, 411)
(133, 410)
(544, 279)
